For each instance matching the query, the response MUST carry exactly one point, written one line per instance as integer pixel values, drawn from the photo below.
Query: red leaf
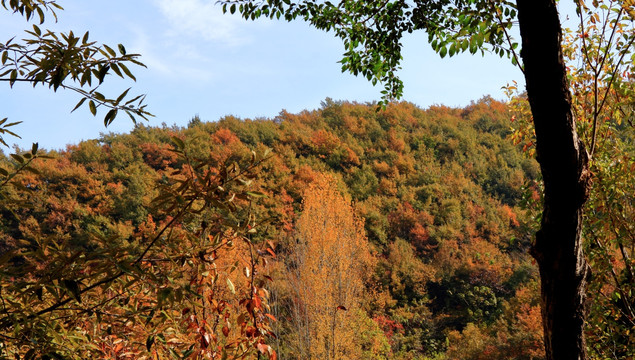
(250, 331)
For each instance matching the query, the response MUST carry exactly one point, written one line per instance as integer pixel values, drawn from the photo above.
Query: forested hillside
(356, 231)
(393, 234)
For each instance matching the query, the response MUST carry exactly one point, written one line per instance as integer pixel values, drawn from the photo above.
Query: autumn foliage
(396, 234)
(327, 274)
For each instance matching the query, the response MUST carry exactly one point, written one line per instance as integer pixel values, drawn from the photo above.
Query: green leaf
(34, 148)
(187, 352)
(86, 78)
(101, 74)
(79, 104)
(178, 142)
(92, 107)
(18, 158)
(255, 194)
(473, 47)
(115, 68)
(127, 71)
(149, 342)
(122, 96)
(13, 77)
(122, 49)
(4, 128)
(110, 117)
(443, 51)
(73, 287)
(40, 13)
(163, 295)
(110, 50)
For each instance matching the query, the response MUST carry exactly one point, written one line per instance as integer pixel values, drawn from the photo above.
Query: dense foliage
(402, 231)
(439, 191)
(90, 268)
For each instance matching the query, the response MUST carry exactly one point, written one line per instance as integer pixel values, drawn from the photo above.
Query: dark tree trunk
(563, 161)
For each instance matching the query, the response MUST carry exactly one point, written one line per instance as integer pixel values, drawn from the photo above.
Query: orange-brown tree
(329, 260)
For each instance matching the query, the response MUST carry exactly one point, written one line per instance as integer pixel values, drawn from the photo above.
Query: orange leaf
(257, 302)
(263, 348)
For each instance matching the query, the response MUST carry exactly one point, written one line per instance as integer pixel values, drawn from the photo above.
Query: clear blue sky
(201, 62)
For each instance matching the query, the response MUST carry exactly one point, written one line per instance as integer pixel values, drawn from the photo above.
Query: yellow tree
(329, 258)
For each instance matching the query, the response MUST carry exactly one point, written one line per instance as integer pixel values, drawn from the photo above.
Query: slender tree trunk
(563, 161)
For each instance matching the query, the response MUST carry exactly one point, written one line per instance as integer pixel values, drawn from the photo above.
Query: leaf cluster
(372, 31)
(67, 61)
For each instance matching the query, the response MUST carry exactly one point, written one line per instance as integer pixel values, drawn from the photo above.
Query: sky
(206, 63)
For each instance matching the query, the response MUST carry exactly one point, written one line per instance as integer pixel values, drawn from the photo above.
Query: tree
(602, 81)
(564, 165)
(517, 334)
(66, 61)
(372, 32)
(330, 260)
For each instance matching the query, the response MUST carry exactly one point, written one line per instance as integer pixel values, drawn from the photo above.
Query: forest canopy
(440, 195)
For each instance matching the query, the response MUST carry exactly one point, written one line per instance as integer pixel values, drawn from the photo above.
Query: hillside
(439, 193)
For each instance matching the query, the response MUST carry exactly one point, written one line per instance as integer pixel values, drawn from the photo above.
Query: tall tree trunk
(563, 161)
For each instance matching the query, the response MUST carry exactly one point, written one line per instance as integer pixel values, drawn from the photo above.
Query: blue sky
(201, 62)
